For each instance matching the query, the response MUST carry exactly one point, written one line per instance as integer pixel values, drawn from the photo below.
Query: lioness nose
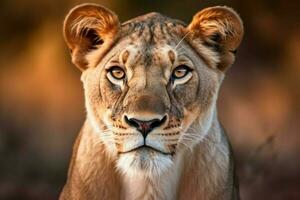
(145, 127)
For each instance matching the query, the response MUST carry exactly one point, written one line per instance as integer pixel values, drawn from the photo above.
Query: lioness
(151, 86)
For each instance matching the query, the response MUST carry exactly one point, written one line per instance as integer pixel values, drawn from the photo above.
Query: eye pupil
(117, 72)
(180, 72)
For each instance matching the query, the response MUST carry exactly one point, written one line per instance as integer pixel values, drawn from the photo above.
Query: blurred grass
(41, 100)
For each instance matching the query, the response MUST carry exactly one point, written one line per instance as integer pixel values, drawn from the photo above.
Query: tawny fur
(191, 157)
(92, 174)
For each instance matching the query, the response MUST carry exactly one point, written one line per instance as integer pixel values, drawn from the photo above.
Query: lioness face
(150, 85)
(150, 93)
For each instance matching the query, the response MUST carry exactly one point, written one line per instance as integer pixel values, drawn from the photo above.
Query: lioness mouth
(145, 147)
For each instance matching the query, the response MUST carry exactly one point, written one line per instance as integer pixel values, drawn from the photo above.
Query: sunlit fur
(187, 156)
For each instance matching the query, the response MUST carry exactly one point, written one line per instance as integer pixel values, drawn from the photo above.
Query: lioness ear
(88, 27)
(221, 29)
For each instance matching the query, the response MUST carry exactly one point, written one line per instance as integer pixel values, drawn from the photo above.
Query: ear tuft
(220, 28)
(88, 27)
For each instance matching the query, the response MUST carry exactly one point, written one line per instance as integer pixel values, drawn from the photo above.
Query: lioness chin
(151, 86)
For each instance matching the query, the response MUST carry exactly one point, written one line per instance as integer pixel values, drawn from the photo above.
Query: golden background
(42, 108)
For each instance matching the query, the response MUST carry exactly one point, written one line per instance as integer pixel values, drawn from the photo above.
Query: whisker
(182, 39)
(186, 145)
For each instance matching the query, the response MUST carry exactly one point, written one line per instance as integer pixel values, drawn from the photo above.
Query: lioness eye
(180, 72)
(117, 72)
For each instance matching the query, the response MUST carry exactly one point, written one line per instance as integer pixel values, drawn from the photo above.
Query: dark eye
(180, 71)
(116, 72)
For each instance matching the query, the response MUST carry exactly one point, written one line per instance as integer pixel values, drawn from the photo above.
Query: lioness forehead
(148, 40)
(153, 29)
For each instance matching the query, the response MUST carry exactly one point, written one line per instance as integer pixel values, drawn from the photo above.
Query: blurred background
(42, 109)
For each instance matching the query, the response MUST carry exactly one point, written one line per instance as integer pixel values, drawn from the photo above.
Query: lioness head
(151, 83)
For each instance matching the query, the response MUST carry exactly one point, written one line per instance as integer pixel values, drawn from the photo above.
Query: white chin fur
(144, 163)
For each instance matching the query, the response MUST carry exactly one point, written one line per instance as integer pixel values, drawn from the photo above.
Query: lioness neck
(201, 173)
